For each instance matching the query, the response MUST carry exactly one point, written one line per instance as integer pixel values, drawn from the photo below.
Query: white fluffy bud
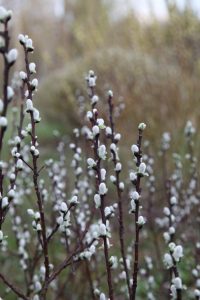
(73, 200)
(4, 202)
(21, 38)
(142, 126)
(110, 93)
(32, 67)
(91, 163)
(5, 14)
(97, 200)
(10, 92)
(29, 44)
(178, 253)
(34, 83)
(1, 236)
(142, 168)
(19, 164)
(29, 105)
(36, 115)
(135, 195)
(133, 176)
(11, 56)
(178, 283)
(102, 188)
(22, 75)
(103, 174)
(3, 122)
(63, 207)
(118, 167)
(168, 262)
(134, 149)
(1, 105)
(102, 229)
(108, 131)
(95, 130)
(94, 99)
(102, 152)
(102, 296)
(141, 221)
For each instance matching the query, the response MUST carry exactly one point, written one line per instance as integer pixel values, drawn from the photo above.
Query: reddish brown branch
(119, 192)
(13, 287)
(137, 227)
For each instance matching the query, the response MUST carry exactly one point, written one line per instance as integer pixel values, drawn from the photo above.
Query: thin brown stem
(137, 227)
(17, 291)
(5, 80)
(35, 181)
(102, 206)
(120, 205)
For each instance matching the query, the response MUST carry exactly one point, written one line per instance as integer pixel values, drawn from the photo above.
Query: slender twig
(136, 214)
(35, 177)
(26, 163)
(98, 181)
(13, 287)
(119, 193)
(78, 227)
(65, 263)
(5, 80)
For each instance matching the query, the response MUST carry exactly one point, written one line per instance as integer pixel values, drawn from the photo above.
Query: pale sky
(157, 6)
(142, 7)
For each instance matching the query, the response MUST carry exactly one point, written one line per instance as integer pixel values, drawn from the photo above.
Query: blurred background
(147, 51)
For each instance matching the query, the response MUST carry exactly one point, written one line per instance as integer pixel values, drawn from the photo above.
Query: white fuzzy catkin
(63, 207)
(19, 164)
(103, 174)
(3, 122)
(91, 163)
(21, 38)
(168, 262)
(10, 92)
(133, 176)
(102, 188)
(142, 126)
(11, 56)
(22, 75)
(118, 167)
(95, 130)
(73, 200)
(30, 212)
(97, 200)
(94, 99)
(32, 67)
(178, 283)
(142, 168)
(102, 296)
(29, 44)
(135, 195)
(108, 131)
(4, 202)
(5, 14)
(34, 83)
(141, 220)
(134, 149)
(110, 93)
(36, 115)
(1, 105)
(29, 105)
(1, 236)
(102, 229)
(178, 253)
(102, 152)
